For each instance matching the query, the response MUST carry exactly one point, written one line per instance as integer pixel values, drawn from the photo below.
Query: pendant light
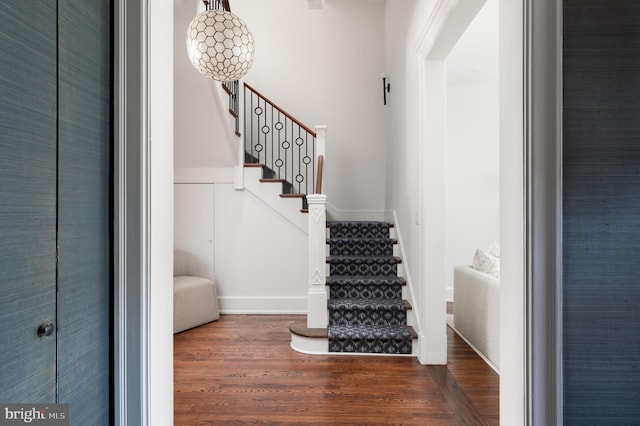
(220, 45)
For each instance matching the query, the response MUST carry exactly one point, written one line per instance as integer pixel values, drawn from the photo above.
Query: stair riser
(359, 248)
(395, 252)
(370, 346)
(367, 318)
(351, 269)
(352, 291)
(359, 230)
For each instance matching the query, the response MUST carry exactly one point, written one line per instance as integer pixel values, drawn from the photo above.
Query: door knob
(46, 330)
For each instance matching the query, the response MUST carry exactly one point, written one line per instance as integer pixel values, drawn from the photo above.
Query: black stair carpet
(366, 310)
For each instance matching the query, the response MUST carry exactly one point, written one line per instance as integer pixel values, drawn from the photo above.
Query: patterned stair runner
(366, 310)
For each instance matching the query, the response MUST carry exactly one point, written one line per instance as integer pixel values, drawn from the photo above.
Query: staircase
(280, 161)
(367, 313)
(363, 310)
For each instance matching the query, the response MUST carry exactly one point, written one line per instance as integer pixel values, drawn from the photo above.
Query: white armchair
(476, 310)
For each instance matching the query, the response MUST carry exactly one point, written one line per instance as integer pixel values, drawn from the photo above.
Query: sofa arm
(476, 310)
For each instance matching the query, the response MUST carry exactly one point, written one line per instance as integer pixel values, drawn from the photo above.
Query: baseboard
(451, 324)
(203, 175)
(263, 305)
(407, 275)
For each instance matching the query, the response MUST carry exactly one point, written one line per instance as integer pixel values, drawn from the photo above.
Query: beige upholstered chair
(195, 299)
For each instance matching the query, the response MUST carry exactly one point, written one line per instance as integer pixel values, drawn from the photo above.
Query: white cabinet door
(193, 229)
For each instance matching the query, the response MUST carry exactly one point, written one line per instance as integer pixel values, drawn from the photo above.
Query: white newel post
(317, 316)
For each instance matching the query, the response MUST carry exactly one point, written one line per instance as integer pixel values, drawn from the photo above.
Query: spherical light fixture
(220, 45)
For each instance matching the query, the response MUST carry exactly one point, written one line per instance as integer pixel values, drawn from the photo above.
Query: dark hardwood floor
(241, 370)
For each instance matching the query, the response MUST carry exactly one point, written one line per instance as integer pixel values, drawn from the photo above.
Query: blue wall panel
(601, 238)
(27, 200)
(84, 221)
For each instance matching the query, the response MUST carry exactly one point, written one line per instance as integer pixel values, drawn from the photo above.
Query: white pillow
(483, 261)
(494, 249)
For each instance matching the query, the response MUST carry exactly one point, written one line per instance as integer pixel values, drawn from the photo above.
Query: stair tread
(353, 222)
(292, 195)
(368, 304)
(253, 165)
(271, 180)
(300, 328)
(365, 279)
(359, 240)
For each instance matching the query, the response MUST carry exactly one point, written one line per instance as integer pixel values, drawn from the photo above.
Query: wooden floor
(240, 370)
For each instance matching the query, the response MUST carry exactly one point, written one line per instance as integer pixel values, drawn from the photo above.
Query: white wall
(401, 29)
(200, 139)
(473, 186)
(259, 257)
(324, 66)
(473, 195)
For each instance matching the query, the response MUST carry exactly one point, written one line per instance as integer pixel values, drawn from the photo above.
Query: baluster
(272, 161)
(290, 151)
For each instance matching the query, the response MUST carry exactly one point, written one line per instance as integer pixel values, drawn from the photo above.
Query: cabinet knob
(46, 330)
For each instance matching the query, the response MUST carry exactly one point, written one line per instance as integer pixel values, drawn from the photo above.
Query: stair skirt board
(367, 314)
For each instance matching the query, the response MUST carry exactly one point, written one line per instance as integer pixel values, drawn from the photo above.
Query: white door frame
(513, 311)
(448, 21)
(445, 25)
(143, 220)
(143, 112)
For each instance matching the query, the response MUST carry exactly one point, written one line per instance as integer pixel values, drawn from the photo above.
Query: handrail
(319, 174)
(285, 113)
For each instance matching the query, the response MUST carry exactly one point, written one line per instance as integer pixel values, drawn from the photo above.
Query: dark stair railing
(276, 139)
(232, 88)
(217, 5)
(286, 147)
